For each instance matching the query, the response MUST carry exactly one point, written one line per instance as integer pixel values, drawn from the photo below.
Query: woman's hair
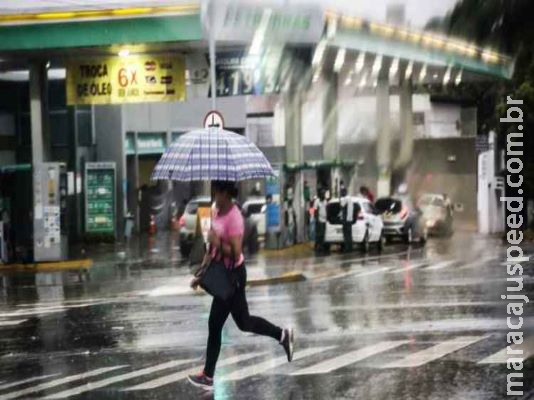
(228, 187)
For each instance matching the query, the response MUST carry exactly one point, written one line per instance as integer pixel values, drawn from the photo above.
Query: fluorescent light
(124, 52)
(458, 79)
(360, 62)
(377, 64)
(422, 74)
(319, 53)
(393, 68)
(447, 76)
(409, 70)
(340, 59)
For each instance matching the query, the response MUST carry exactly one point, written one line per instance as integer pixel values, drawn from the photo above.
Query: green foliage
(506, 26)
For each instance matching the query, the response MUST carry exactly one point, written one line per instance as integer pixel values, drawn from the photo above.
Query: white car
(188, 223)
(254, 209)
(366, 228)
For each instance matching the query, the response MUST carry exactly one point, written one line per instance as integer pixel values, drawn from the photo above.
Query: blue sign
(273, 216)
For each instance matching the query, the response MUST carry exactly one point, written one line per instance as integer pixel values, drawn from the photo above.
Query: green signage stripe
(101, 32)
(369, 43)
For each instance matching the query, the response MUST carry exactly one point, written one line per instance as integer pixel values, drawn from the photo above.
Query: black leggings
(238, 307)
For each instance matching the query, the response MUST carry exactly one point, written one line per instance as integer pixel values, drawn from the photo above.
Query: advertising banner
(133, 79)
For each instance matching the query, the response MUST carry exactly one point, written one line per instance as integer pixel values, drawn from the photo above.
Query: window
(388, 204)
(334, 213)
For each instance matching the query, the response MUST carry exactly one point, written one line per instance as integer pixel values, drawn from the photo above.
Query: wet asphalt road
(410, 323)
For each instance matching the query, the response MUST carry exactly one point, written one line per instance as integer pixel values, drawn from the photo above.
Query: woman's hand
(195, 282)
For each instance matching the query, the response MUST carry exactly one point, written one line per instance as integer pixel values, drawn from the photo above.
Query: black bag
(218, 281)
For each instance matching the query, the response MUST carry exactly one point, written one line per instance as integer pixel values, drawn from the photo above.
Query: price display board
(243, 74)
(100, 198)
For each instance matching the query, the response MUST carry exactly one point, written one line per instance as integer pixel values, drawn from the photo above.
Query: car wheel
(408, 237)
(364, 246)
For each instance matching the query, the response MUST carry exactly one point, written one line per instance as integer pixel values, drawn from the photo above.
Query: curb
(285, 278)
(49, 266)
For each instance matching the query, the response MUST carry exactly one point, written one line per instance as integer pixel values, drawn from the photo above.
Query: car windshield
(254, 208)
(388, 205)
(432, 201)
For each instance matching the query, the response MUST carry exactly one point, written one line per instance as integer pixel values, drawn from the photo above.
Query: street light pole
(211, 21)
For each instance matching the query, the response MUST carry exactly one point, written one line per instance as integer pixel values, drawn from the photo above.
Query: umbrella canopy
(212, 154)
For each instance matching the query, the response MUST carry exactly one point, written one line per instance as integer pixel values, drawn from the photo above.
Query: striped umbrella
(212, 154)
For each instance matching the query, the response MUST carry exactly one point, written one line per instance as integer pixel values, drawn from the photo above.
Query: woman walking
(226, 239)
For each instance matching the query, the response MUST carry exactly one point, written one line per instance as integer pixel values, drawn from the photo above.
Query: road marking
(168, 379)
(408, 267)
(46, 310)
(354, 274)
(441, 265)
(349, 358)
(58, 382)
(435, 352)
(119, 378)
(476, 263)
(262, 367)
(12, 322)
(501, 357)
(22, 382)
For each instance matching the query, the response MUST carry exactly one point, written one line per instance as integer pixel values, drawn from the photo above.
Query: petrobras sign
(243, 22)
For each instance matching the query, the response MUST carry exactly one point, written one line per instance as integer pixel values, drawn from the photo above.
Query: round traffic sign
(214, 119)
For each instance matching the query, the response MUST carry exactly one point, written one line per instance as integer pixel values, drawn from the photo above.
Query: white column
(406, 124)
(383, 143)
(295, 152)
(39, 113)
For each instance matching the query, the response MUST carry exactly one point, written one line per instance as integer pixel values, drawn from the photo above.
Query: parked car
(402, 220)
(254, 209)
(367, 225)
(188, 223)
(438, 214)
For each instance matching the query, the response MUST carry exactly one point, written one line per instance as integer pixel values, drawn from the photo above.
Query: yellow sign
(133, 79)
(204, 220)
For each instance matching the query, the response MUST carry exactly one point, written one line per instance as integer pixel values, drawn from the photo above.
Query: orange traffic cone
(152, 227)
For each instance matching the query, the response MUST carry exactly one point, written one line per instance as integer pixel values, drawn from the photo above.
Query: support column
(41, 147)
(294, 153)
(330, 118)
(406, 127)
(383, 143)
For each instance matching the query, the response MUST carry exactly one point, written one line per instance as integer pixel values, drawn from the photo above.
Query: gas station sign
(100, 198)
(132, 79)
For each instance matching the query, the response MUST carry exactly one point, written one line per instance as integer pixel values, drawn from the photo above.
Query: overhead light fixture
(422, 74)
(393, 69)
(458, 79)
(363, 81)
(447, 76)
(124, 52)
(377, 66)
(319, 53)
(409, 71)
(340, 59)
(360, 62)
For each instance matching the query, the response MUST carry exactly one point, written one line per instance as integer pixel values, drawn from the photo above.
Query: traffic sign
(214, 119)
